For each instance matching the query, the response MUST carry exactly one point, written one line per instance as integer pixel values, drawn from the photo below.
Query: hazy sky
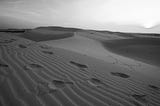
(96, 14)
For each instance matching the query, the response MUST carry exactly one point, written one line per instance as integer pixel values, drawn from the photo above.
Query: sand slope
(34, 74)
(91, 44)
(144, 49)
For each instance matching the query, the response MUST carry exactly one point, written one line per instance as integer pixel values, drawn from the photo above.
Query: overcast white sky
(96, 14)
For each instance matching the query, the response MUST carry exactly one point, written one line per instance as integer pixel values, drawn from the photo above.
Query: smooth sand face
(86, 44)
(73, 71)
(143, 49)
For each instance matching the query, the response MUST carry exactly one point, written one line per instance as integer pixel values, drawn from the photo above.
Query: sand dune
(45, 34)
(75, 71)
(88, 44)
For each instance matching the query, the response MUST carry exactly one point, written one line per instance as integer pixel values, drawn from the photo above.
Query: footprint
(47, 52)
(61, 84)
(27, 68)
(95, 82)
(141, 98)
(79, 65)
(44, 47)
(3, 65)
(22, 46)
(13, 39)
(44, 88)
(33, 66)
(8, 41)
(58, 83)
(4, 72)
(55, 85)
(118, 74)
(154, 87)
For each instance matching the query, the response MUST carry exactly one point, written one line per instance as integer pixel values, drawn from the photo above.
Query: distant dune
(57, 28)
(42, 34)
(77, 70)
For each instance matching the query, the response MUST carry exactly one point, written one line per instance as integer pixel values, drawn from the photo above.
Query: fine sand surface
(74, 71)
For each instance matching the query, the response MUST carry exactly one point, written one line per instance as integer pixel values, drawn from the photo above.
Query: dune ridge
(30, 76)
(45, 34)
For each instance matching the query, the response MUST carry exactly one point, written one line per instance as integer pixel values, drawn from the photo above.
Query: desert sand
(77, 68)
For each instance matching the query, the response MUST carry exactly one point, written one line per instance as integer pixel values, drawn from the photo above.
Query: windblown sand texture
(74, 71)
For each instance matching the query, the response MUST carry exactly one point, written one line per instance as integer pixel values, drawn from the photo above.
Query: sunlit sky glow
(93, 14)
